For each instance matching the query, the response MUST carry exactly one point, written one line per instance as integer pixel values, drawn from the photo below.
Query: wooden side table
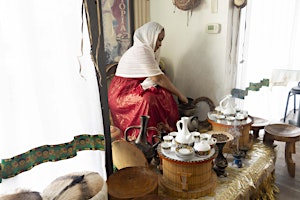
(285, 133)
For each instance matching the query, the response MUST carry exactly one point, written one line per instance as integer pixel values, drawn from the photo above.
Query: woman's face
(159, 40)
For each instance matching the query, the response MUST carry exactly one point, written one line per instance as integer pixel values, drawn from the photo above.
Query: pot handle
(178, 125)
(222, 101)
(127, 129)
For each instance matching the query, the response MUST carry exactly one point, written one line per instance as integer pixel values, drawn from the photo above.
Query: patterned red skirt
(128, 102)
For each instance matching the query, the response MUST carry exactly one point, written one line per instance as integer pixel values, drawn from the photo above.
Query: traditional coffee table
(188, 179)
(245, 141)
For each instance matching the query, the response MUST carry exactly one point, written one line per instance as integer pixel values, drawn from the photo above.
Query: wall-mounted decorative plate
(186, 4)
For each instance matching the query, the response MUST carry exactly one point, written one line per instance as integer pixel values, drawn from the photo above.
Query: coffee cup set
(186, 144)
(227, 113)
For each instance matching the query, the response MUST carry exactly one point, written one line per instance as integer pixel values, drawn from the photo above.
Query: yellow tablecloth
(255, 180)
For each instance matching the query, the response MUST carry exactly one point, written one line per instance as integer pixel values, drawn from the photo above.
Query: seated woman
(141, 88)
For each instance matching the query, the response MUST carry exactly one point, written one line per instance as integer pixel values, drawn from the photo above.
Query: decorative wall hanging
(117, 27)
(240, 3)
(186, 4)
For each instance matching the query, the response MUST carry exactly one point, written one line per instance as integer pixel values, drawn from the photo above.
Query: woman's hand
(163, 81)
(183, 99)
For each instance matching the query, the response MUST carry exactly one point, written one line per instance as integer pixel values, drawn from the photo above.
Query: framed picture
(117, 27)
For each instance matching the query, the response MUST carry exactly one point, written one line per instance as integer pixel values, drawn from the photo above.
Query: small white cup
(166, 147)
(168, 138)
(196, 136)
(220, 118)
(239, 116)
(245, 113)
(173, 134)
(205, 136)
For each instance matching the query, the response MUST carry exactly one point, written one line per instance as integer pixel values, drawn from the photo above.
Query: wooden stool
(258, 124)
(151, 197)
(285, 133)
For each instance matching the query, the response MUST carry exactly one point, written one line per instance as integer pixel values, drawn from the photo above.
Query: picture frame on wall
(117, 16)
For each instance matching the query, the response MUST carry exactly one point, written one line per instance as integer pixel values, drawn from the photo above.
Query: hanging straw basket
(186, 4)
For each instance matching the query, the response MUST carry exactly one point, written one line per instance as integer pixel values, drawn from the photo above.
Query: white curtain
(45, 99)
(269, 49)
(141, 12)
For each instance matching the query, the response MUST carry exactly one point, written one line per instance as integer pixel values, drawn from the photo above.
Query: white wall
(196, 61)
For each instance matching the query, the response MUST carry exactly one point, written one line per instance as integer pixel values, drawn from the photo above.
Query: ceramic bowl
(185, 153)
(183, 144)
(202, 148)
(202, 153)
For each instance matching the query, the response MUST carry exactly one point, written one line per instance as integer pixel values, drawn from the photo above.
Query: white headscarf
(140, 60)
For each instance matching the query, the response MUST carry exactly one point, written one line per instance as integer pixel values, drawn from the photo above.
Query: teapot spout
(154, 142)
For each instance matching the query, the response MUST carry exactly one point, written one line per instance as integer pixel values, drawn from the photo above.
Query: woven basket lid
(125, 154)
(132, 182)
(186, 4)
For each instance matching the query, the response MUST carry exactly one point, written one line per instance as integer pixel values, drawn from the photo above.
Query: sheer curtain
(49, 91)
(141, 12)
(270, 45)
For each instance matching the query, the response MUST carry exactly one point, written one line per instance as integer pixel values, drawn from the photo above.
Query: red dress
(128, 102)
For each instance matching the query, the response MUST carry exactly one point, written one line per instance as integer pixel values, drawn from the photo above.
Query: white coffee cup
(174, 134)
(168, 138)
(196, 136)
(166, 147)
(205, 136)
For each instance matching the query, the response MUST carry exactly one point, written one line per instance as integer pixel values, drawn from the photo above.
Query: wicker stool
(285, 133)
(258, 124)
(293, 92)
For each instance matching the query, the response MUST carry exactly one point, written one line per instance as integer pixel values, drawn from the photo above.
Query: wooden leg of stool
(268, 139)
(289, 150)
(255, 132)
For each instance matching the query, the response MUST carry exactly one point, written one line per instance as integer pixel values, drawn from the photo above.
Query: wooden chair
(110, 72)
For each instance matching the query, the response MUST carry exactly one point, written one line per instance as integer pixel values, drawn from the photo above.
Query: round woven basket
(186, 4)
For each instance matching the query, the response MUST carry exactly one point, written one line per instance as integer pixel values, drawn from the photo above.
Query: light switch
(214, 6)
